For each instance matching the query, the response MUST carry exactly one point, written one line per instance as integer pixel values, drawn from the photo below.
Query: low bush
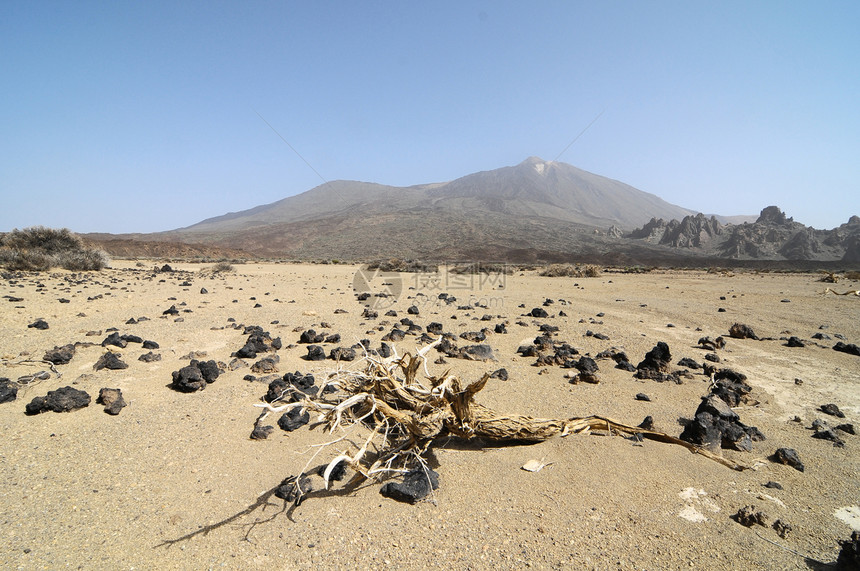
(39, 249)
(570, 271)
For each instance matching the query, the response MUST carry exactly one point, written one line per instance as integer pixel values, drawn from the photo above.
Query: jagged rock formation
(773, 236)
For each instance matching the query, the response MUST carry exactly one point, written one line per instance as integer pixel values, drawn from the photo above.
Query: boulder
(60, 355)
(64, 399)
(112, 400)
(415, 486)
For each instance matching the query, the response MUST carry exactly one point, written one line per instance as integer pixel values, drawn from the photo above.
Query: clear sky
(143, 116)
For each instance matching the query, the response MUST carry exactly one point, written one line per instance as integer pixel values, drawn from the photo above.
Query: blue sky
(143, 116)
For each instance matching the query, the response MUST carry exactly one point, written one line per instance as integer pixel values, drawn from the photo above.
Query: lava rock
(741, 331)
(110, 361)
(643, 397)
(60, 355)
(293, 419)
(266, 365)
(149, 345)
(261, 432)
(713, 344)
(788, 456)
(656, 360)
(849, 553)
(311, 336)
(115, 339)
(150, 357)
(477, 353)
(539, 312)
(195, 376)
(291, 490)
(337, 473)
(342, 354)
(794, 342)
(42, 324)
(501, 374)
(258, 341)
(748, 516)
(112, 400)
(8, 390)
(64, 399)
(416, 485)
(849, 348)
(170, 311)
(832, 410)
(689, 363)
(315, 353)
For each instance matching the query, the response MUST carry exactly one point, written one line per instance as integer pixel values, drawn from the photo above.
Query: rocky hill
(773, 236)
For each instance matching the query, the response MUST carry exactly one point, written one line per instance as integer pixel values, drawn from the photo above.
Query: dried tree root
(405, 417)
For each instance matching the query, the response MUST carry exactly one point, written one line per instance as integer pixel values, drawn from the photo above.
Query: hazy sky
(143, 116)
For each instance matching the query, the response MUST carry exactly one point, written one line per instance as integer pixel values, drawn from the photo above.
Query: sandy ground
(174, 482)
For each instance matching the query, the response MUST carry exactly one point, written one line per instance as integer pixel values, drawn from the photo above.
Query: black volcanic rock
(64, 399)
(416, 485)
(60, 355)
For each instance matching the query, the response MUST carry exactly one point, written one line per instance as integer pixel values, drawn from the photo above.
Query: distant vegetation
(39, 249)
(398, 265)
(570, 271)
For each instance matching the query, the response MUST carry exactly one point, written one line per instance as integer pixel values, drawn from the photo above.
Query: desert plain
(174, 481)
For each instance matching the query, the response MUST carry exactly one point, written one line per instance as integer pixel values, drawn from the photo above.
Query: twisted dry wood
(406, 416)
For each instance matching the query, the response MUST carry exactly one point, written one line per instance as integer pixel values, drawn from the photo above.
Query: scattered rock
(266, 365)
(343, 354)
(794, 342)
(195, 376)
(60, 355)
(258, 341)
(788, 456)
(42, 324)
(741, 331)
(849, 348)
(150, 357)
(748, 516)
(315, 353)
(64, 399)
(713, 344)
(149, 345)
(261, 432)
(8, 390)
(647, 423)
(337, 473)
(294, 418)
(291, 491)
(781, 528)
(849, 553)
(477, 353)
(643, 397)
(416, 485)
(501, 374)
(539, 312)
(832, 410)
(112, 400)
(170, 311)
(773, 485)
(689, 363)
(111, 361)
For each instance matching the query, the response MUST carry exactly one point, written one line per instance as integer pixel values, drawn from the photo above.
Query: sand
(174, 482)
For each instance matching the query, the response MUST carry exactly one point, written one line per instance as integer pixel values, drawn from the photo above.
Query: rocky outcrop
(773, 236)
(691, 232)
